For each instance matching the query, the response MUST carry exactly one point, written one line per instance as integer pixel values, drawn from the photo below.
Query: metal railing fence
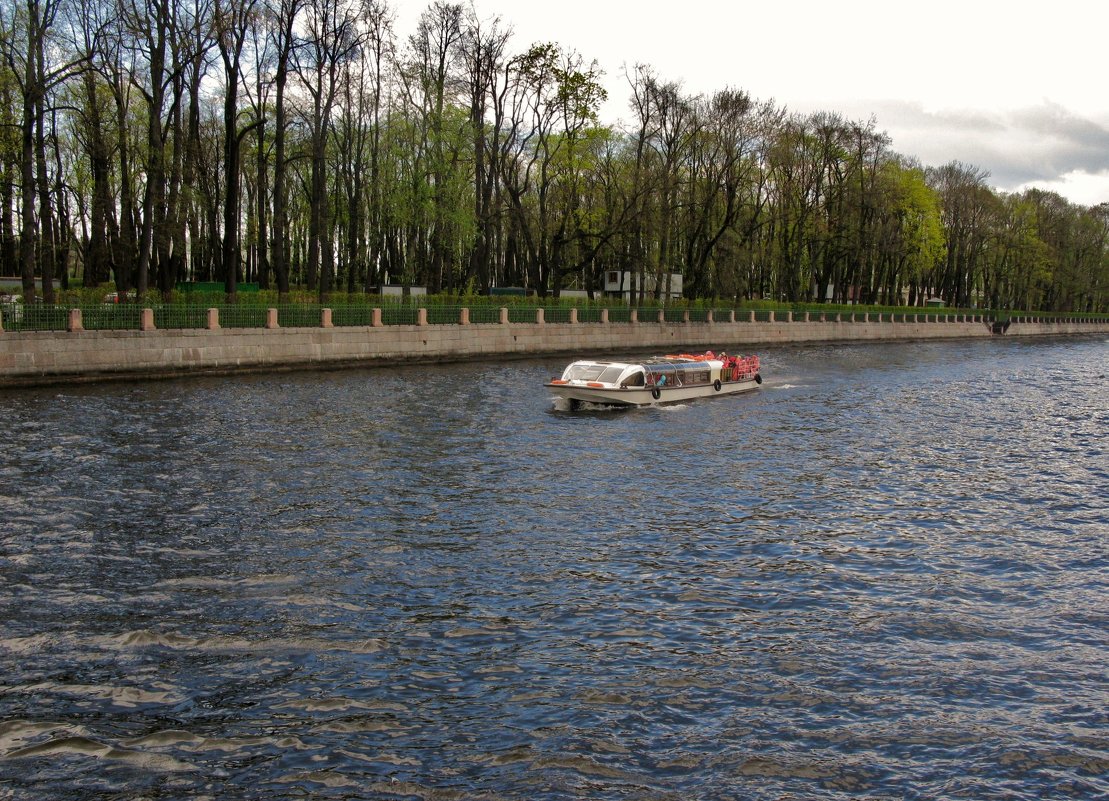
(128, 316)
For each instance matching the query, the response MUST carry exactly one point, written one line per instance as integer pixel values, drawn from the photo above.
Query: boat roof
(650, 362)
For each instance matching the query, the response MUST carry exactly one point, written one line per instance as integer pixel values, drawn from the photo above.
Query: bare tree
(27, 29)
(431, 87)
(727, 182)
(160, 43)
(965, 203)
(331, 38)
(676, 127)
(94, 134)
(381, 53)
(357, 138)
(230, 25)
(641, 82)
(482, 51)
(282, 15)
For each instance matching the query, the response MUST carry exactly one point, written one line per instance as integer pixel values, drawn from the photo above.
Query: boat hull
(645, 396)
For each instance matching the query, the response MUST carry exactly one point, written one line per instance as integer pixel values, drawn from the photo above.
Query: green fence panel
(489, 314)
(551, 314)
(396, 314)
(111, 317)
(620, 315)
(180, 316)
(35, 317)
(240, 316)
(352, 315)
(299, 315)
(443, 315)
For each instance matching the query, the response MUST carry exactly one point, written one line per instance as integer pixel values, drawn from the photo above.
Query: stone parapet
(81, 355)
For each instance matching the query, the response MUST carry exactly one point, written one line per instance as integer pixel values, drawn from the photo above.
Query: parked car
(113, 297)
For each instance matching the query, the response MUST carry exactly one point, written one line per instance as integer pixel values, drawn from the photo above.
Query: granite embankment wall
(31, 358)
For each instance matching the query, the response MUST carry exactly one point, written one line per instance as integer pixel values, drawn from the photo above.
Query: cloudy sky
(1016, 88)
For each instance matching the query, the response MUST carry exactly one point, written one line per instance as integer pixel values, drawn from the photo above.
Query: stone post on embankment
(78, 354)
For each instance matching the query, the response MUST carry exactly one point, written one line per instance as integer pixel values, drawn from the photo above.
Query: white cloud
(1079, 187)
(1039, 145)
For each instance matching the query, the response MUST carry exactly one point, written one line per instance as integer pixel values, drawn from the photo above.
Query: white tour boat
(660, 379)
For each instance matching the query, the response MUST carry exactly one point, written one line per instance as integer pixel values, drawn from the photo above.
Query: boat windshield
(584, 372)
(611, 374)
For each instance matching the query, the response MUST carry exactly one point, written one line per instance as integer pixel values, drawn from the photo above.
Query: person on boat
(661, 381)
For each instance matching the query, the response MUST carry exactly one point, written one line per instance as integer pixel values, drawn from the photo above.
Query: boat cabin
(608, 373)
(660, 372)
(681, 374)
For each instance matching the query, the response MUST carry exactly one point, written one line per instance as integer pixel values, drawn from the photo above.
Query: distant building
(854, 293)
(625, 284)
(400, 290)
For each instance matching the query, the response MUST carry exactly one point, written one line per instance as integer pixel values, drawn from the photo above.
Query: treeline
(307, 142)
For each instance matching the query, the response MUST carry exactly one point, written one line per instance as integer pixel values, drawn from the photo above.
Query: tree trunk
(230, 252)
(29, 234)
(263, 269)
(124, 257)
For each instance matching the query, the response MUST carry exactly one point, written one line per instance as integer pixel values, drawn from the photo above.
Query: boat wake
(565, 405)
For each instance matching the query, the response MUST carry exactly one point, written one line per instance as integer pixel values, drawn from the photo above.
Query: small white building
(401, 290)
(625, 284)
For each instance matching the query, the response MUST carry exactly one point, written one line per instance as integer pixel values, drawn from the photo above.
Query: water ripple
(883, 575)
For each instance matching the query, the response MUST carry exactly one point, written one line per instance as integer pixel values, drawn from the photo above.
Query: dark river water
(883, 575)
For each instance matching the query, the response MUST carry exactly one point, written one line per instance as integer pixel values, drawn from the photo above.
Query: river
(885, 575)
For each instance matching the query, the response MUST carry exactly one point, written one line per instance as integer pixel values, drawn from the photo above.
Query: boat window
(634, 380)
(611, 374)
(584, 372)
